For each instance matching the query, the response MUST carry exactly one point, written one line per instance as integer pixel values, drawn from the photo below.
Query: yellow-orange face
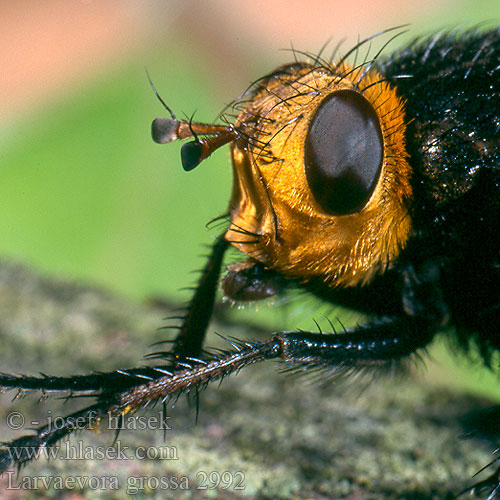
(321, 179)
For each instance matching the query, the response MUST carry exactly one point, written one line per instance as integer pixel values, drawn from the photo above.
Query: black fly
(374, 185)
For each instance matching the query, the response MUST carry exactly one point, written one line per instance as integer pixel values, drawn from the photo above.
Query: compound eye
(343, 153)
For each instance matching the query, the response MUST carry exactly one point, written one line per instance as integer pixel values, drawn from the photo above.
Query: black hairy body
(418, 250)
(453, 141)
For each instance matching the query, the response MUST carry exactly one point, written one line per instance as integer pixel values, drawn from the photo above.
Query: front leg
(373, 345)
(489, 486)
(377, 344)
(189, 341)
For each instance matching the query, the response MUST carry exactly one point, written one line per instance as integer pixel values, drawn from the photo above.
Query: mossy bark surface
(261, 434)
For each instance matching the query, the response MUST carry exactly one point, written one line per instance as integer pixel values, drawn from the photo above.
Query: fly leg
(189, 341)
(489, 486)
(374, 345)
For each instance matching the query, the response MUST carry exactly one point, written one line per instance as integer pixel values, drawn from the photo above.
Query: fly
(374, 186)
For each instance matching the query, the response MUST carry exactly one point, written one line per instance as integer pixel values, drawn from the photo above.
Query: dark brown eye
(343, 153)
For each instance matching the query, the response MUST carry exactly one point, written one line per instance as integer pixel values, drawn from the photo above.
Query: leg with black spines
(369, 346)
(489, 486)
(189, 341)
(187, 344)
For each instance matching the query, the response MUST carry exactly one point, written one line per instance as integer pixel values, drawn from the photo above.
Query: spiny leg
(187, 344)
(489, 486)
(26, 448)
(105, 386)
(376, 344)
(189, 341)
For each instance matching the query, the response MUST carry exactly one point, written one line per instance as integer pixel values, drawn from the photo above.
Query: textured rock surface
(274, 436)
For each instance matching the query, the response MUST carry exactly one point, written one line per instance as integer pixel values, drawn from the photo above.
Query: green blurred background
(84, 191)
